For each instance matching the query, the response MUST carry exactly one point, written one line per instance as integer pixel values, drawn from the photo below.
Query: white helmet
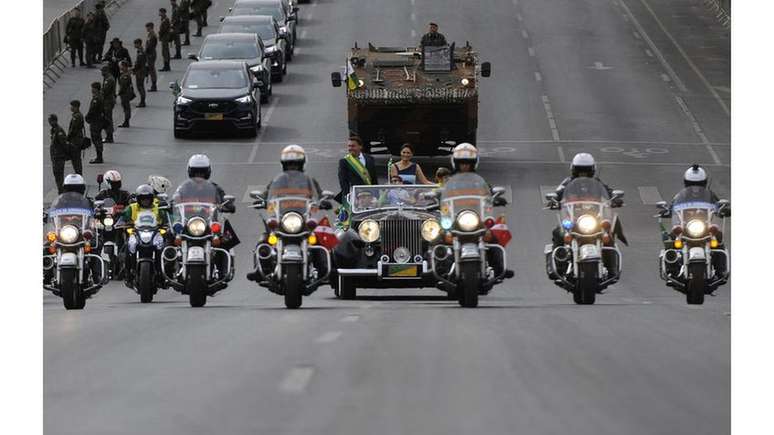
(695, 176)
(583, 163)
(158, 183)
(74, 183)
(464, 153)
(293, 154)
(199, 166)
(113, 179)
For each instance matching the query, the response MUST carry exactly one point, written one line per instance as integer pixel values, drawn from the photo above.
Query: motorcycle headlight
(108, 221)
(369, 230)
(587, 224)
(245, 100)
(183, 100)
(292, 222)
(68, 234)
(468, 221)
(430, 230)
(145, 236)
(696, 228)
(196, 226)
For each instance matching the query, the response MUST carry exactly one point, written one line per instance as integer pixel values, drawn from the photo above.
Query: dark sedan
(268, 30)
(217, 95)
(286, 17)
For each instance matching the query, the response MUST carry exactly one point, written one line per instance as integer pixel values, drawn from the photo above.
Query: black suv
(217, 94)
(267, 29)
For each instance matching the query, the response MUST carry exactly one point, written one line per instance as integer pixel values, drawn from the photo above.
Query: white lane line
(531, 51)
(413, 34)
(524, 34)
(303, 34)
(538, 76)
(296, 380)
(560, 151)
(665, 78)
(687, 59)
(350, 318)
(649, 53)
(413, 17)
(636, 35)
(264, 122)
(519, 17)
(551, 119)
(655, 50)
(649, 195)
(413, 2)
(697, 128)
(329, 337)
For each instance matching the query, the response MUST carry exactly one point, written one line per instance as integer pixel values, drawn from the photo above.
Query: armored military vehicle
(427, 96)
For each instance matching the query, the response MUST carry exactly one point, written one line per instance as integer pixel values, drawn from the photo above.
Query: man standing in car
(356, 168)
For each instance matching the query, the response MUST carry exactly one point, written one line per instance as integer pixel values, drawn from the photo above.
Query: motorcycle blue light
(178, 227)
(567, 224)
(446, 222)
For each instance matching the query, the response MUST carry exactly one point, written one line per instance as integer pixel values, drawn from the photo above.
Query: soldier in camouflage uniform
(126, 92)
(102, 25)
(165, 36)
(199, 10)
(75, 134)
(433, 38)
(74, 36)
(59, 151)
(140, 70)
(108, 101)
(96, 119)
(177, 27)
(150, 51)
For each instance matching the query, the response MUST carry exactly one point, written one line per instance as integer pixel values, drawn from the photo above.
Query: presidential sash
(358, 167)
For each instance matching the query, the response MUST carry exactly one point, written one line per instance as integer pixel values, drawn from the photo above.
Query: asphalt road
(641, 84)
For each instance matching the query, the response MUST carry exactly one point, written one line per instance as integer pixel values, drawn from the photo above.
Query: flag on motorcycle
(230, 238)
(352, 80)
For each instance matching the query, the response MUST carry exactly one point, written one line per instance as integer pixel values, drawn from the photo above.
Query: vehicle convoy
(470, 257)
(282, 11)
(588, 260)
(695, 261)
(426, 96)
(217, 95)
(293, 256)
(247, 47)
(275, 42)
(72, 267)
(195, 264)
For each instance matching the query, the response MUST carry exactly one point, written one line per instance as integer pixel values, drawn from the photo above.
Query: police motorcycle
(292, 260)
(589, 260)
(697, 262)
(72, 269)
(195, 264)
(470, 258)
(111, 238)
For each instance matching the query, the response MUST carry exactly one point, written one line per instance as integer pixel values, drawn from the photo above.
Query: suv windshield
(218, 50)
(215, 79)
(265, 31)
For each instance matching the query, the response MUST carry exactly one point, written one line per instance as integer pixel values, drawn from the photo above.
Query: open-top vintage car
(387, 245)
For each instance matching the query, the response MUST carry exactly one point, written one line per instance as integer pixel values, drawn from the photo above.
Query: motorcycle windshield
(146, 220)
(195, 197)
(290, 191)
(71, 209)
(391, 196)
(694, 202)
(585, 196)
(466, 191)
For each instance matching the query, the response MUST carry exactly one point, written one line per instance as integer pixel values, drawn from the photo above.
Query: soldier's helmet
(293, 154)
(464, 153)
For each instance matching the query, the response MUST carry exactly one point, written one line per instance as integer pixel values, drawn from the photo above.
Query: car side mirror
(193, 56)
(336, 79)
(486, 69)
(175, 87)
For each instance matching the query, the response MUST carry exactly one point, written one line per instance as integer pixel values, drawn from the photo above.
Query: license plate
(402, 270)
(213, 116)
(195, 253)
(588, 251)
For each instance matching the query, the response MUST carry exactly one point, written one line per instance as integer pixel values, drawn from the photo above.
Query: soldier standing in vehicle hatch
(433, 38)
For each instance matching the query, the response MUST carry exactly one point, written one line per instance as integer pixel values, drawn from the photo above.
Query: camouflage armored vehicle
(427, 96)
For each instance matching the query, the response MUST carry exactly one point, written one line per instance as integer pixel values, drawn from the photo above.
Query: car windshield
(215, 79)
(366, 198)
(223, 50)
(264, 30)
(265, 9)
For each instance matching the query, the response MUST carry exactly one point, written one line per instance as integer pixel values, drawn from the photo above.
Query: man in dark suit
(356, 168)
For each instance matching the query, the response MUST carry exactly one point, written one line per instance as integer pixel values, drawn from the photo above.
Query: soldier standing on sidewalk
(185, 20)
(75, 134)
(96, 119)
(108, 101)
(103, 25)
(165, 36)
(74, 35)
(177, 27)
(59, 151)
(126, 92)
(150, 51)
(140, 70)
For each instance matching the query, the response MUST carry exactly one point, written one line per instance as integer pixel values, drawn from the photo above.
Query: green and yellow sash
(358, 167)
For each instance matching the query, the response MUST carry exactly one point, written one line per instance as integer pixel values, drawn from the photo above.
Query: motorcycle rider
(145, 199)
(113, 191)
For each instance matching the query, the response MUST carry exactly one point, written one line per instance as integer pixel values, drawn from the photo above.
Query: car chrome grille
(401, 232)
(213, 106)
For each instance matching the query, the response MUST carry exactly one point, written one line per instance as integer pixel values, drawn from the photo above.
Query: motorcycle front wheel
(196, 285)
(586, 288)
(145, 282)
(293, 282)
(471, 278)
(72, 296)
(697, 277)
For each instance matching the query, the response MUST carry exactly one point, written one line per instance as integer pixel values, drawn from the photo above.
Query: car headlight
(292, 222)
(245, 100)
(145, 236)
(587, 224)
(468, 221)
(196, 226)
(183, 100)
(68, 234)
(430, 230)
(368, 230)
(696, 228)
(108, 221)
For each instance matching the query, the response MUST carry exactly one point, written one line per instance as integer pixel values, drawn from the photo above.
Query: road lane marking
(413, 33)
(519, 17)
(413, 17)
(560, 151)
(636, 35)
(687, 59)
(329, 337)
(649, 195)
(665, 78)
(550, 116)
(303, 34)
(697, 129)
(531, 51)
(350, 318)
(264, 121)
(524, 34)
(538, 76)
(296, 381)
(649, 53)
(655, 50)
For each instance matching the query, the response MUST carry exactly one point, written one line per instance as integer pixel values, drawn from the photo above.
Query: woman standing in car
(407, 170)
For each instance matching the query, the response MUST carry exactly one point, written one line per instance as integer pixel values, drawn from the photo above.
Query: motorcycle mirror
(327, 194)
(100, 178)
(336, 79)
(256, 194)
(228, 198)
(618, 194)
(162, 196)
(99, 204)
(498, 191)
(551, 197)
(662, 205)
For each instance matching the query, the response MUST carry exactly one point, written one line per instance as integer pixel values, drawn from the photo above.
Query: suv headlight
(368, 230)
(68, 234)
(245, 100)
(468, 221)
(181, 101)
(196, 226)
(430, 230)
(292, 222)
(587, 224)
(696, 228)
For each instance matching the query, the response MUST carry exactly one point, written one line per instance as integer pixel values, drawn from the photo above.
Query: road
(641, 84)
